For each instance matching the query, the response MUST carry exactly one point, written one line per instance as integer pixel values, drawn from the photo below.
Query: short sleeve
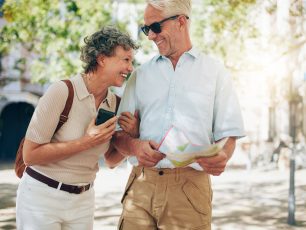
(227, 121)
(128, 99)
(47, 113)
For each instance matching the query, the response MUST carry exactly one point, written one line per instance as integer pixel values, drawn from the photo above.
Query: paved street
(254, 200)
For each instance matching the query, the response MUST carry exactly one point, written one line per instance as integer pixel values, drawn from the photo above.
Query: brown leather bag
(19, 163)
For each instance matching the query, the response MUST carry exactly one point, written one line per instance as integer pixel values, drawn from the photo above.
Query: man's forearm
(124, 143)
(113, 157)
(229, 146)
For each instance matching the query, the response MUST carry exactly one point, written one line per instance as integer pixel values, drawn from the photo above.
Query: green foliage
(52, 31)
(221, 27)
(135, 1)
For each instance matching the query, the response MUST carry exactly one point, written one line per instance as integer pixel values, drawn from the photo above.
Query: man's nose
(151, 35)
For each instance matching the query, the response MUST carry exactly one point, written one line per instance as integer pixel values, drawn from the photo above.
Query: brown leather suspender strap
(64, 114)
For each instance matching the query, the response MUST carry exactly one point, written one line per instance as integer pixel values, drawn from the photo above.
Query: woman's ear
(101, 60)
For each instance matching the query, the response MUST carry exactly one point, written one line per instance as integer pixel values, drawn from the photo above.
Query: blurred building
(272, 82)
(18, 98)
(287, 90)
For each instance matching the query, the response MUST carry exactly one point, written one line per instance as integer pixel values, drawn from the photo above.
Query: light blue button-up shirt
(197, 97)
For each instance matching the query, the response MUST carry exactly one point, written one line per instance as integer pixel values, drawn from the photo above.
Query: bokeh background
(261, 42)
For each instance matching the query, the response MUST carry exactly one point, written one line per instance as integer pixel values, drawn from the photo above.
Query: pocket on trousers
(199, 200)
(128, 186)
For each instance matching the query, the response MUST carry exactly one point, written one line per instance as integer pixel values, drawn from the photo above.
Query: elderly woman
(56, 190)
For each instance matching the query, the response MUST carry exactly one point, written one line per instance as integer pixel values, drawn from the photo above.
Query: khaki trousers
(166, 199)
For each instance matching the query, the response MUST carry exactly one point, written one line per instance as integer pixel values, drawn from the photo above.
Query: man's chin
(162, 52)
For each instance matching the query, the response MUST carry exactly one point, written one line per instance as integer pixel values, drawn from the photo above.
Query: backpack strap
(118, 99)
(19, 163)
(69, 101)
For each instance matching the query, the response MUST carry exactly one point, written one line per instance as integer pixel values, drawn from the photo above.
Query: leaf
(52, 32)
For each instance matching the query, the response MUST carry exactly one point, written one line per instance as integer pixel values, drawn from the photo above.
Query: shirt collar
(192, 52)
(109, 99)
(82, 92)
(80, 87)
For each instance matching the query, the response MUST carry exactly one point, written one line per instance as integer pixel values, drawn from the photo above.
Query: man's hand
(130, 123)
(216, 165)
(146, 152)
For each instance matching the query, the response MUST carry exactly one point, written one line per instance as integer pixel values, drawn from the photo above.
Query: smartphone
(103, 116)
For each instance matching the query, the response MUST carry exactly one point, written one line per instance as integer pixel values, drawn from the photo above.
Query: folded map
(181, 152)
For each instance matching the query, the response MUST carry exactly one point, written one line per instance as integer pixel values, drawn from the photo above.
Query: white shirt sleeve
(128, 100)
(227, 115)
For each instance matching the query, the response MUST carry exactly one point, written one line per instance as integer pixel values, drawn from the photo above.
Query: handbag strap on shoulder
(69, 101)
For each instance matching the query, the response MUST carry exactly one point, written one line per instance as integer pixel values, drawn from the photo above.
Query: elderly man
(184, 88)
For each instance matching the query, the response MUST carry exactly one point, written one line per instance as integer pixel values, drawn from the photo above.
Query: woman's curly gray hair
(103, 42)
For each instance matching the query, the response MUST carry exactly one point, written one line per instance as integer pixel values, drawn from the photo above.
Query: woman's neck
(95, 87)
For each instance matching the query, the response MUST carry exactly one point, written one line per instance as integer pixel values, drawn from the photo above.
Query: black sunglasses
(156, 26)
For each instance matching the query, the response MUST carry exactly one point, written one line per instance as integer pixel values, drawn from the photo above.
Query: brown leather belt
(55, 184)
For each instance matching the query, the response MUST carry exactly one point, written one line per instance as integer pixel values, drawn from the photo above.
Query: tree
(221, 28)
(51, 32)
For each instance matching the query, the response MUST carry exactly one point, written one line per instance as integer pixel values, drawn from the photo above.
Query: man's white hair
(172, 7)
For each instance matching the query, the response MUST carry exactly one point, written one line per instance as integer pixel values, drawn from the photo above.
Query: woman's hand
(39, 154)
(101, 133)
(130, 123)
